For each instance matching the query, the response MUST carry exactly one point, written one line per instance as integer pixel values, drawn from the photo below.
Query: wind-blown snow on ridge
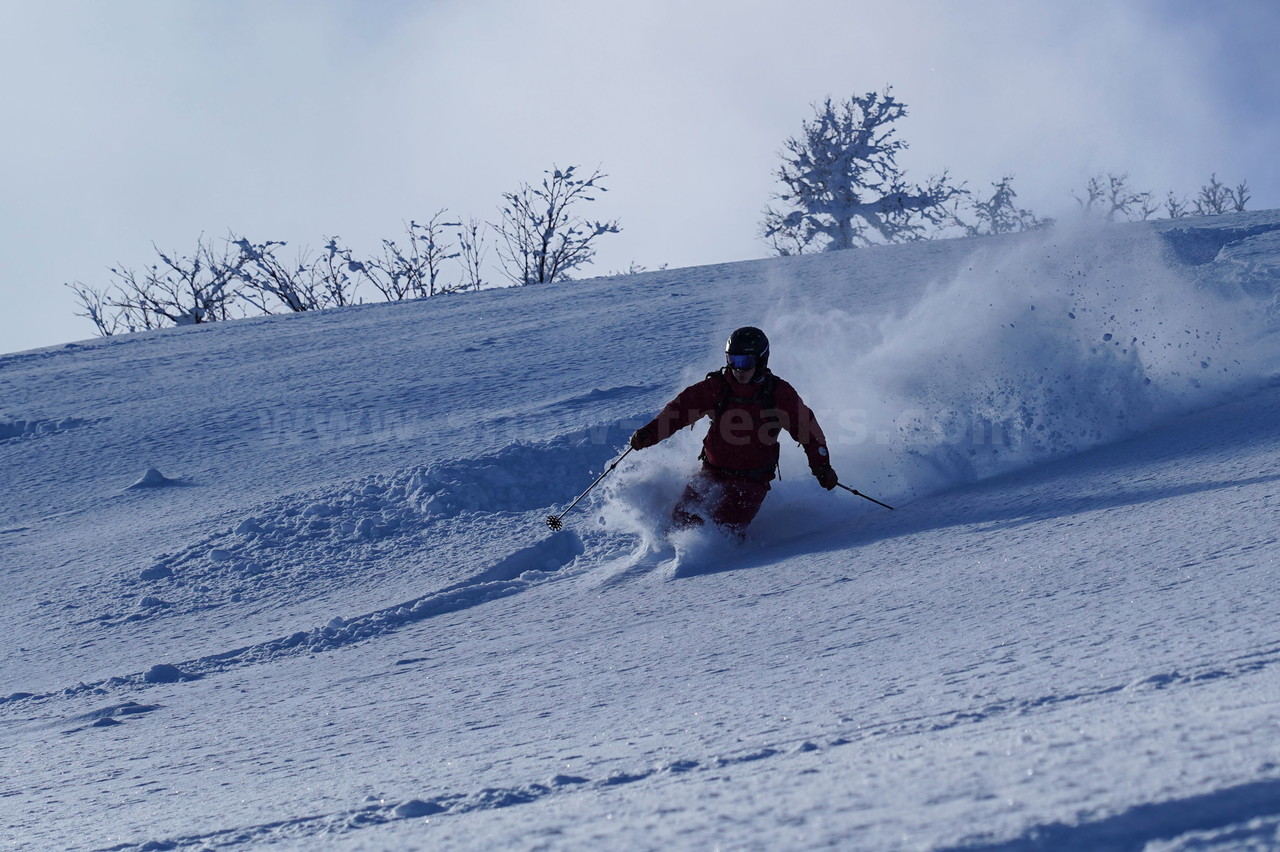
(1037, 348)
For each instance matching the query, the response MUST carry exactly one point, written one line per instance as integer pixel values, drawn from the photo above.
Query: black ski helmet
(749, 340)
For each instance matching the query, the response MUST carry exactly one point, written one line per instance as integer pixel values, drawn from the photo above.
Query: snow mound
(153, 479)
(306, 545)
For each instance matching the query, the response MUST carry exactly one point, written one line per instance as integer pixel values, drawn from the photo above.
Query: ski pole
(556, 522)
(858, 493)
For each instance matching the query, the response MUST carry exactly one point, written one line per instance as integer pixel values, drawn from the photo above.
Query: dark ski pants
(730, 501)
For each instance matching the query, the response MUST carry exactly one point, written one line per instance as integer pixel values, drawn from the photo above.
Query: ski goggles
(741, 362)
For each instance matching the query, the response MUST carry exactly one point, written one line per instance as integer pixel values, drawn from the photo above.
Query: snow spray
(1035, 348)
(1023, 349)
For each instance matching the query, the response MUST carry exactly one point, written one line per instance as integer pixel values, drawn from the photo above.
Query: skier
(749, 406)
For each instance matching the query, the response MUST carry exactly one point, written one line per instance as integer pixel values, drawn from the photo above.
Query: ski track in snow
(304, 550)
(329, 539)
(19, 430)
(517, 572)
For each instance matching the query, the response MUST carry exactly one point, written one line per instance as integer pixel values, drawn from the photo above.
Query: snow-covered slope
(285, 582)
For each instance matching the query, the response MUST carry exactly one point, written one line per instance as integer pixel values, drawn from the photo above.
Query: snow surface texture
(285, 582)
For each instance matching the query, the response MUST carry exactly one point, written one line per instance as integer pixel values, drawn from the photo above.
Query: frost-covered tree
(843, 185)
(1239, 197)
(96, 307)
(1213, 199)
(293, 285)
(339, 273)
(998, 214)
(634, 268)
(472, 248)
(543, 239)
(201, 287)
(335, 273)
(1111, 197)
(1175, 207)
(409, 272)
(188, 289)
(433, 250)
(1216, 198)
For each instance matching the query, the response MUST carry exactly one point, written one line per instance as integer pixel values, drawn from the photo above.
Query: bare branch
(544, 240)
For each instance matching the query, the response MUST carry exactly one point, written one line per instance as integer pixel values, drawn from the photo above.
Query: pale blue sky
(128, 122)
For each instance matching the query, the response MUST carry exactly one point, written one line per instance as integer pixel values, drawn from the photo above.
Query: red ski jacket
(743, 437)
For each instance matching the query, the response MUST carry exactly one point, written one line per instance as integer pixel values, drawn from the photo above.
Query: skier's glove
(642, 438)
(826, 477)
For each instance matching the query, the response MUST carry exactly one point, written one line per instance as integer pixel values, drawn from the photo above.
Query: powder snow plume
(1035, 347)
(1039, 347)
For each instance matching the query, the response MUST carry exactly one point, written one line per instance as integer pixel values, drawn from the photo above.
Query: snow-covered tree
(188, 289)
(1216, 198)
(432, 250)
(328, 281)
(96, 307)
(1175, 207)
(409, 272)
(335, 274)
(201, 287)
(544, 239)
(294, 285)
(1213, 198)
(843, 185)
(1111, 197)
(999, 214)
(472, 247)
(1239, 197)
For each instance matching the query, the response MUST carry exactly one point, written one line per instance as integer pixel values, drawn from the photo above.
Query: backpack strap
(765, 395)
